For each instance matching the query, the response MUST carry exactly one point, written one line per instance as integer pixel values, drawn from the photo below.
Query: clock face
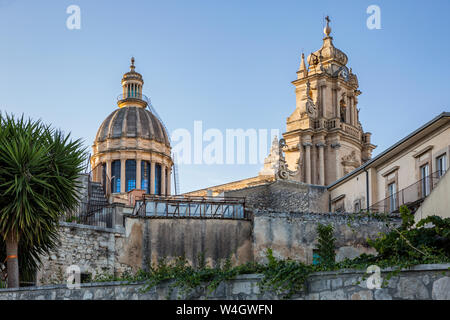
(344, 73)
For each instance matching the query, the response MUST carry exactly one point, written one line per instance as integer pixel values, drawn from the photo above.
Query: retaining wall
(294, 235)
(424, 282)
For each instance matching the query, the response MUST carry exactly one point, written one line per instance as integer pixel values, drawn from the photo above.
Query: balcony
(411, 196)
(337, 123)
(133, 97)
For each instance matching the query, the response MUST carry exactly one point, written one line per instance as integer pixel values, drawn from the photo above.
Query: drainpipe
(329, 202)
(367, 188)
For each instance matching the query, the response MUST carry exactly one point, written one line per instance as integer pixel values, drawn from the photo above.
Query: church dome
(132, 149)
(132, 122)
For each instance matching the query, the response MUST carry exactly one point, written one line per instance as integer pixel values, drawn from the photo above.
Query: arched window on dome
(158, 179)
(130, 175)
(145, 176)
(115, 176)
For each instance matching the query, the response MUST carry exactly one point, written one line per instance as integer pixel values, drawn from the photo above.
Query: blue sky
(227, 63)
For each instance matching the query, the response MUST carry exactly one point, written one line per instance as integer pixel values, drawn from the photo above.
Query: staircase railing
(105, 182)
(93, 210)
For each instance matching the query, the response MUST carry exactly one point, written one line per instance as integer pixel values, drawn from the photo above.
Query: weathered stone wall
(143, 240)
(149, 239)
(294, 235)
(98, 250)
(285, 196)
(423, 282)
(91, 248)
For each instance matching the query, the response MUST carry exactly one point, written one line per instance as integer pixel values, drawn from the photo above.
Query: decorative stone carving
(283, 172)
(310, 106)
(350, 162)
(272, 161)
(335, 145)
(350, 157)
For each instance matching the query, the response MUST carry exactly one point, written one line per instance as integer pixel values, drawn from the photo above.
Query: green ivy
(326, 247)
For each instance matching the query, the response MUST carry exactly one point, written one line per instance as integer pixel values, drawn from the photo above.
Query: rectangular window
(392, 188)
(158, 179)
(145, 176)
(441, 164)
(130, 175)
(424, 176)
(115, 176)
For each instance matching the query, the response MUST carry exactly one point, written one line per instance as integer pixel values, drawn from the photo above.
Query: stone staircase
(97, 196)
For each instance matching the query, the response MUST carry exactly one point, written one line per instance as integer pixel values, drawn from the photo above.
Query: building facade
(405, 174)
(132, 149)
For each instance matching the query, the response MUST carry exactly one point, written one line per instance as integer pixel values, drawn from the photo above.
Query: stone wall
(423, 282)
(284, 196)
(91, 248)
(149, 239)
(294, 235)
(100, 250)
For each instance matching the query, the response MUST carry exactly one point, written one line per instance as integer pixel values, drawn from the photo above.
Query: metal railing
(105, 181)
(411, 196)
(92, 214)
(138, 96)
(190, 207)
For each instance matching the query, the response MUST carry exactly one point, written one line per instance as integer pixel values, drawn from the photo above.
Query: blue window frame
(115, 176)
(130, 175)
(145, 176)
(158, 179)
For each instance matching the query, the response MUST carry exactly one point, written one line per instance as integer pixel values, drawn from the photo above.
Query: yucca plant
(39, 180)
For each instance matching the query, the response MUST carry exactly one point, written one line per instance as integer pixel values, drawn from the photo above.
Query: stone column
(169, 185)
(163, 180)
(321, 147)
(152, 178)
(336, 145)
(307, 146)
(122, 175)
(108, 177)
(138, 174)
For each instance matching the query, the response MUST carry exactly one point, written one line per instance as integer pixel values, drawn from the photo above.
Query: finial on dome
(327, 29)
(132, 67)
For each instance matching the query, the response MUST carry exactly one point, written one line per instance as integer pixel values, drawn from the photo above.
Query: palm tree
(39, 171)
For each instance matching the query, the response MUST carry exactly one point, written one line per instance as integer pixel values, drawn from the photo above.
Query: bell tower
(324, 139)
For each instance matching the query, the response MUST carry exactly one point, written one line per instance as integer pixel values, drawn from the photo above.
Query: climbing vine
(326, 247)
